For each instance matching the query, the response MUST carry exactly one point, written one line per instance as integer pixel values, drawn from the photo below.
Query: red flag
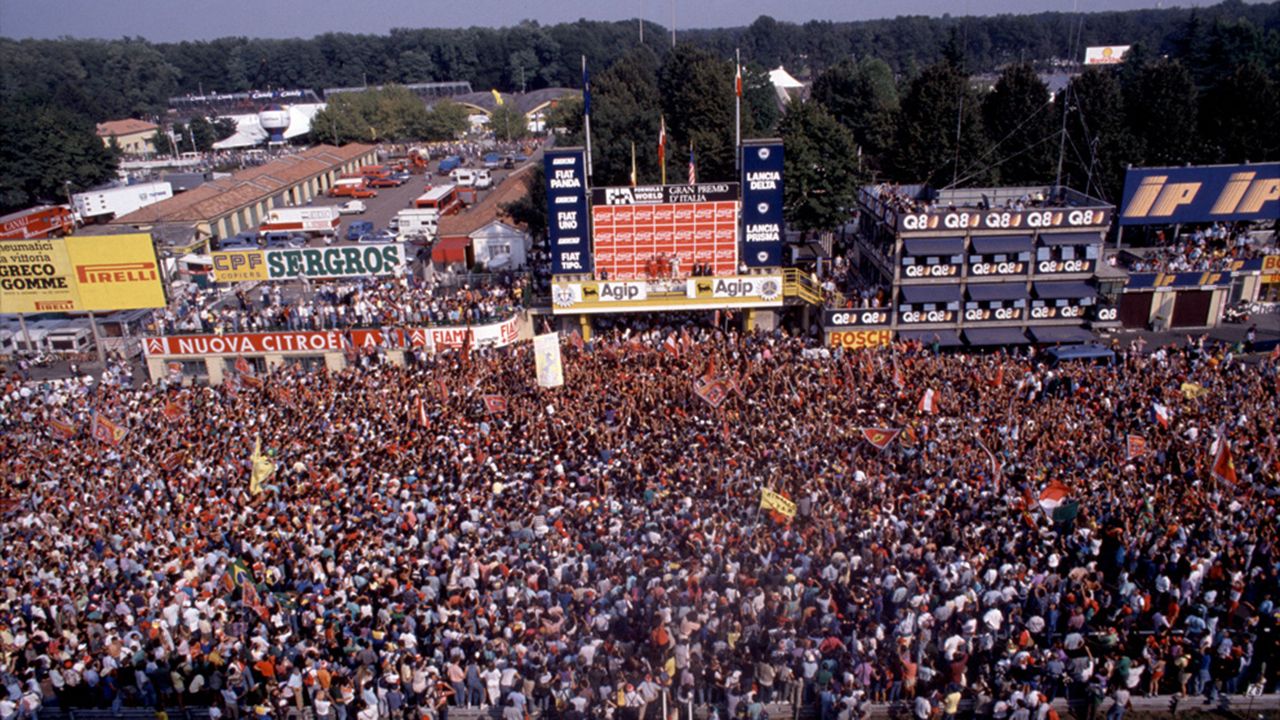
(1162, 414)
(880, 437)
(173, 460)
(421, 412)
(242, 366)
(466, 346)
(897, 378)
(662, 147)
(173, 412)
(712, 390)
(671, 346)
(928, 403)
(107, 431)
(1224, 467)
(253, 601)
(495, 404)
(737, 81)
(63, 428)
(443, 387)
(998, 381)
(1135, 446)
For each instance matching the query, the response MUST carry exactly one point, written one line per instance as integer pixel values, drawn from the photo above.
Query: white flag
(546, 358)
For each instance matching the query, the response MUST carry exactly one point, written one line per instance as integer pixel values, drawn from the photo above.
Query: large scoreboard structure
(652, 247)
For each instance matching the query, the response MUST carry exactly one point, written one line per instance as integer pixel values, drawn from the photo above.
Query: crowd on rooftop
(598, 550)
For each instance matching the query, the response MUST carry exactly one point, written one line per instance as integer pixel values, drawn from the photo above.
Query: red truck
(37, 222)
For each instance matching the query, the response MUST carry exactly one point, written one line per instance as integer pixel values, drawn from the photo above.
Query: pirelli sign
(79, 274)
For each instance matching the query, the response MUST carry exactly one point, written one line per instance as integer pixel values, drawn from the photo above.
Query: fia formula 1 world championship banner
(763, 229)
(1217, 193)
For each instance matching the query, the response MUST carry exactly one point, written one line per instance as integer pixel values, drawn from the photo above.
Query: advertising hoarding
(763, 227)
(81, 273)
(638, 232)
(1217, 193)
(568, 231)
(1105, 54)
(314, 263)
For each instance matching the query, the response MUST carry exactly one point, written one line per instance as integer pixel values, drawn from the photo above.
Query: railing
(800, 285)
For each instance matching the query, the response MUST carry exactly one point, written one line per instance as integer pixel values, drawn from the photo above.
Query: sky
(172, 20)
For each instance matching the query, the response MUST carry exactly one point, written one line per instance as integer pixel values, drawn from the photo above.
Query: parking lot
(392, 200)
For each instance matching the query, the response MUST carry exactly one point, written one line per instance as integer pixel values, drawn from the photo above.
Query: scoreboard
(636, 230)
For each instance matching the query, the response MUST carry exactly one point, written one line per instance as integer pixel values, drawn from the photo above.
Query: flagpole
(737, 109)
(586, 110)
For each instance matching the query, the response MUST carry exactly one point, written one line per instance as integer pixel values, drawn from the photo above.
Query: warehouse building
(224, 207)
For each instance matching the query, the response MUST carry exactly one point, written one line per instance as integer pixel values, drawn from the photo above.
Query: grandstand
(428, 91)
(184, 107)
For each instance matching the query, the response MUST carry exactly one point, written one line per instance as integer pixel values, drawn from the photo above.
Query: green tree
(531, 209)
(445, 121)
(1240, 117)
(624, 111)
(926, 148)
(760, 107)
(863, 98)
(1160, 106)
(697, 100)
(1019, 120)
(45, 148)
(508, 123)
(821, 168)
(1097, 145)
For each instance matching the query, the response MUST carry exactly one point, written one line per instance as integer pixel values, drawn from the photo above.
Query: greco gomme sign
(287, 264)
(82, 273)
(1218, 193)
(568, 230)
(763, 228)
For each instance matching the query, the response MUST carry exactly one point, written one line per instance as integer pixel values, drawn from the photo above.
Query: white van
(464, 177)
(416, 221)
(484, 180)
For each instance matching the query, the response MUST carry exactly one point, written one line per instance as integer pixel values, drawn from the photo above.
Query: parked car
(276, 240)
(381, 236)
(243, 241)
(492, 160)
(508, 163)
(384, 182)
(359, 229)
(352, 207)
(484, 180)
(449, 164)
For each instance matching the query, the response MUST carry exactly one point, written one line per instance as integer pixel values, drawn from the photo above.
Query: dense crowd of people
(405, 300)
(1206, 249)
(448, 534)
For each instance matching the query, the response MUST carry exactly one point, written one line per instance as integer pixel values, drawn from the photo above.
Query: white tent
(785, 85)
(249, 130)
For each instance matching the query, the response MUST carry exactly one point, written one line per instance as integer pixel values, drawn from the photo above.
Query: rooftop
(218, 198)
(490, 208)
(127, 126)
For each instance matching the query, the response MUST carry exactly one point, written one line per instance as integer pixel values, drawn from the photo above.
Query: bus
(443, 199)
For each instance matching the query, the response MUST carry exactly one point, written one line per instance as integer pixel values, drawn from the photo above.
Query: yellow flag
(262, 467)
(770, 500)
(1193, 391)
(497, 97)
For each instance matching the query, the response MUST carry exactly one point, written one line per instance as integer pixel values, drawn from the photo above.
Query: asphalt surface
(394, 199)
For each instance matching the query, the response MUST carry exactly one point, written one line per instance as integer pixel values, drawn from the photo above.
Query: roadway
(394, 199)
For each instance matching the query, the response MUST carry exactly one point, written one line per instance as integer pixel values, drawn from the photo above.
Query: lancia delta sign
(763, 228)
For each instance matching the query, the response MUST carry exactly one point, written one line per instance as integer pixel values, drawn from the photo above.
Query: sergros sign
(314, 263)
